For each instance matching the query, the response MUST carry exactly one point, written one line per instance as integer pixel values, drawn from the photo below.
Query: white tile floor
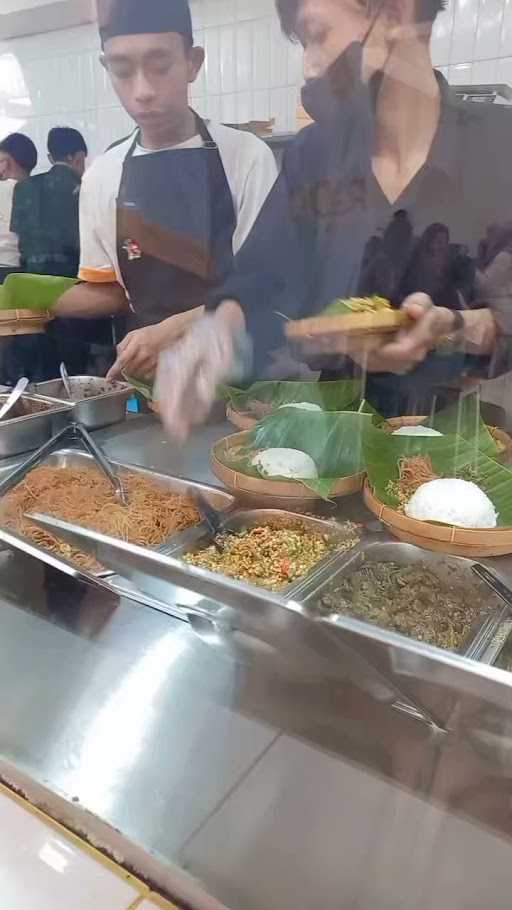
(41, 869)
(150, 905)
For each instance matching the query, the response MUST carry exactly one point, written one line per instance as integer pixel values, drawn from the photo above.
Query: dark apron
(175, 225)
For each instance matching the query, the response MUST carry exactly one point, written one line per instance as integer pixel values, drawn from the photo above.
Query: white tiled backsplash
(251, 71)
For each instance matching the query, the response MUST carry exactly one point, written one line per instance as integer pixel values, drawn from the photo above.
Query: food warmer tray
(24, 432)
(69, 457)
(483, 641)
(100, 408)
(200, 538)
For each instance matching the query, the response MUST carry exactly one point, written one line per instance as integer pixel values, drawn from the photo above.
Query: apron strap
(202, 129)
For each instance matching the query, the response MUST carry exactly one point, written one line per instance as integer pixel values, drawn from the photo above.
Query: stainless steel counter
(272, 790)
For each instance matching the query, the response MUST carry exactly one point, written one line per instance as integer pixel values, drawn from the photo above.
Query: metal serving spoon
(211, 517)
(14, 396)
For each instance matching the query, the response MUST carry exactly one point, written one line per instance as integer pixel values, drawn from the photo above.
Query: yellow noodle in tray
(85, 497)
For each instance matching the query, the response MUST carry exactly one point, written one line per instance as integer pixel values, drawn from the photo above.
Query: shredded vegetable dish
(268, 556)
(410, 599)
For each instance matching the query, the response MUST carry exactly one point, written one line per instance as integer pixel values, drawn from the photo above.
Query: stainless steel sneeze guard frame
(94, 412)
(73, 457)
(162, 582)
(255, 625)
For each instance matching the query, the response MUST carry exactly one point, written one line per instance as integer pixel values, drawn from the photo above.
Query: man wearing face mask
(162, 212)
(389, 137)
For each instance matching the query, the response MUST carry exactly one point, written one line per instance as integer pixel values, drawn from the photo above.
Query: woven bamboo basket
(23, 322)
(475, 543)
(288, 494)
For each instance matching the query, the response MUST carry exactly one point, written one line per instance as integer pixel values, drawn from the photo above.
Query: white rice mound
(290, 463)
(452, 502)
(301, 406)
(416, 431)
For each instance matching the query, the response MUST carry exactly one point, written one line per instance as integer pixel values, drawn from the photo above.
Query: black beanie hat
(143, 17)
(21, 149)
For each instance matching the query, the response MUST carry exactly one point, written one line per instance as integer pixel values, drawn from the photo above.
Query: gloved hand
(216, 349)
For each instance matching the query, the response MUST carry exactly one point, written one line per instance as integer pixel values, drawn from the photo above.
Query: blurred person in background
(9, 250)
(18, 157)
(163, 211)
(45, 219)
(389, 136)
(45, 208)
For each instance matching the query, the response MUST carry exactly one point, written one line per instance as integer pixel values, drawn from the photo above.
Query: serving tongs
(72, 432)
(492, 580)
(102, 462)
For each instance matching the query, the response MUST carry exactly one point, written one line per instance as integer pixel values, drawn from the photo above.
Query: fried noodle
(413, 471)
(85, 497)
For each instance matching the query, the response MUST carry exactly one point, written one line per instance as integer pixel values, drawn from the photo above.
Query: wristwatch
(452, 342)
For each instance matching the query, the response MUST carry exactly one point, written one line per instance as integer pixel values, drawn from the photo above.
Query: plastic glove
(215, 350)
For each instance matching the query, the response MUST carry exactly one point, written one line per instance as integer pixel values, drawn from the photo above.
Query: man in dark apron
(182, 194)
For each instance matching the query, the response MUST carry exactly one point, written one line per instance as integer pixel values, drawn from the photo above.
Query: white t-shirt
(250, 169)
(9, 252)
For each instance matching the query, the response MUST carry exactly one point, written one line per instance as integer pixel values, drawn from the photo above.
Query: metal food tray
(65, 458)
(23, 432)
(477, 645)
(95, 411)
(252, 518)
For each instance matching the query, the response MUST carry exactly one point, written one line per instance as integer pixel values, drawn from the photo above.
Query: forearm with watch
(471, 331)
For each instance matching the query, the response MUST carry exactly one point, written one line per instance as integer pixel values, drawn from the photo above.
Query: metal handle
(494, 582)
(34, 459)
(100, 457)
(64, 375)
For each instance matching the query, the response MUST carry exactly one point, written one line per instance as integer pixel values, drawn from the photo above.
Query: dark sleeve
(272, 272)
(19, 214)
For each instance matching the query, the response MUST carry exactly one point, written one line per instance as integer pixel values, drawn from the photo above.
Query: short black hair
(63, 142)
(288, 11)
(21, 149)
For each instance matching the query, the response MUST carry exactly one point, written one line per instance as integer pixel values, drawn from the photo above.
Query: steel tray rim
(58, 406)
(479, 637)
(125, 389)
(240, 517)
(166, 548)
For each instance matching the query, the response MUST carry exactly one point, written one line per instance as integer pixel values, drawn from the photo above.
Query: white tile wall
(251, 71)
(472, 41)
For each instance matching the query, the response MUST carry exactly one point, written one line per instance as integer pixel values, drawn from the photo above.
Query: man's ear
(195, 62)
